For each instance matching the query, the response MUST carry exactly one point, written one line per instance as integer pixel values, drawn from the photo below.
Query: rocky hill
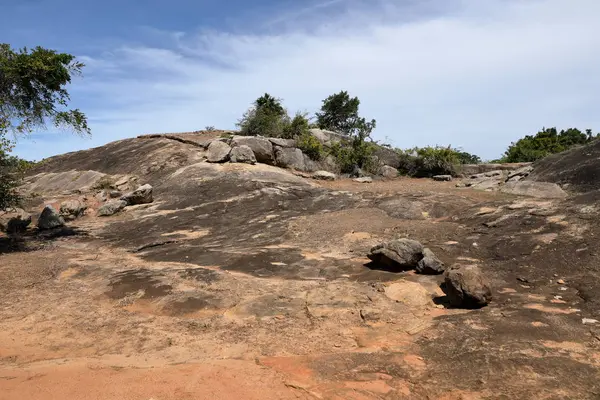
(244, 279)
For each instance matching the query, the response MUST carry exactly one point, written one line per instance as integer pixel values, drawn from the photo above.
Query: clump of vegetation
(429, 161)
(266, 117)
(32, 92)
(310, 146)
(546, 142)
(297, 127)
(210, 128)
(339, 113)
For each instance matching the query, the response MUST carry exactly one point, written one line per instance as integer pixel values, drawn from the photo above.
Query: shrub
(210, 128)
(266, 117)
(297, 127)
(10, 171)
(429, 161)
(355, 153)
(546, 142)
(310, 146)
(467, 158)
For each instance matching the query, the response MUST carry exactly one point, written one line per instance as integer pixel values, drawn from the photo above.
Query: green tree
(32, 93)
(340, 113)
(545, 142)
(266, 117)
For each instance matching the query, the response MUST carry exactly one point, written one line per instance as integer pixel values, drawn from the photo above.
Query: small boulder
(430, 264)
(14, 221)
(388, 172)
(242, 154)
(262, 147)
(111, 207)
(218, 152)
(442, 178)
(402, 254)
(467, 287)
(50, 219)
(364, 179)
(72, 209)
(324, 176)
(142, 195)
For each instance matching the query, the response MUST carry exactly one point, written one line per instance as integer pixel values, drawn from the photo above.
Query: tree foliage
(32, 93)
(33, 90)
(266, 117)
(340, 113)
(545, 142)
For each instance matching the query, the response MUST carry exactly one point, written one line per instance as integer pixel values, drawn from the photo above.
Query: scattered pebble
(562, 288)
(588, 321)
(521, 279)
(475, 245)
(558, 297)
(560, 281)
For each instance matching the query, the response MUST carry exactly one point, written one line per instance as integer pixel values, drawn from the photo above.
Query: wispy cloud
(478, 74)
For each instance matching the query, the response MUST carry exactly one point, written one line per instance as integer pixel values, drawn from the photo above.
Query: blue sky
(475, 74)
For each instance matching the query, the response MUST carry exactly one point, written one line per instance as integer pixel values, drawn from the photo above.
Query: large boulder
(520, 173)
(542, 190)
(387, 156)
(290, 157)
(401, 254)
(327, 138)
(111, 207)
(262, 147)
(388, 172)
(218, 152)
(283, 142)
(430, 264)
(72, 209)
(142, 195)
(242, 154)
(50, 219)
(467, 287)
(14, 221)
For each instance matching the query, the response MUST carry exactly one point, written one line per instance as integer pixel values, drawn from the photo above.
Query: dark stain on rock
(130, 282)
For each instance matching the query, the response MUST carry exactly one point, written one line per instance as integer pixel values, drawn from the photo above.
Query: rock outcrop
(542, 190)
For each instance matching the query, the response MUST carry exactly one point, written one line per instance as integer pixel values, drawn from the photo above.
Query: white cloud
(479, 74)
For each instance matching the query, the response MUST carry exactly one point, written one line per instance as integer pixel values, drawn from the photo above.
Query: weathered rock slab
(542, 190)
(324, 176)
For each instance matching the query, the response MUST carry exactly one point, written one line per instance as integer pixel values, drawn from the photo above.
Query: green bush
(429, 161)
(297, 127)
(310, 146)
(266, 117)
(546, 142)
(354, 153)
